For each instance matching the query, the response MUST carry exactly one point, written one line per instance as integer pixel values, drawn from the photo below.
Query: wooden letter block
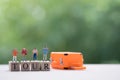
(45, 65)
(35, 66)
(25, 65)
(14, 66)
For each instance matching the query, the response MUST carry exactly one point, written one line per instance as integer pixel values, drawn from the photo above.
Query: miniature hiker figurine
(14, 53)
(35, 54)
(45, 52)
(24, 53)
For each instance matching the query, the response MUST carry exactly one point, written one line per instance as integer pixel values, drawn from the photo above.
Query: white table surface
(93, 72)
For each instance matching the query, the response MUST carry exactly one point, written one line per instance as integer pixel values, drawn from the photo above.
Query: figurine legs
(14, 58)
(44, 57)
(23, 58)
(34, 56)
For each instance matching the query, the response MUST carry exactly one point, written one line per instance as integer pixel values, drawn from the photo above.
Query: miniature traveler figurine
(45, 52)
(24, 53)
(14, 53)
(35, 54)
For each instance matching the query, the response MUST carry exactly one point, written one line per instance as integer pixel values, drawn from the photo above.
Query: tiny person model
(14, 53)
(24, 53)
(35, 54)
(45, 52)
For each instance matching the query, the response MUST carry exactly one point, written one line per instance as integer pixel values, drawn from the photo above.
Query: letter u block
(35, 66)
(14, 66)
(25, 65)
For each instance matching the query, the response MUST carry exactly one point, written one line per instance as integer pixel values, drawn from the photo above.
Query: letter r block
(45, 65)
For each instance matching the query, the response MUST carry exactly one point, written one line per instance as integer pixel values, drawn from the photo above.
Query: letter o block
(25, 65)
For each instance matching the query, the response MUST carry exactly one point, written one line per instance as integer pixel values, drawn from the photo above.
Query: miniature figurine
(45, 52)
(14, 53)
(35, 54)
(24, 53)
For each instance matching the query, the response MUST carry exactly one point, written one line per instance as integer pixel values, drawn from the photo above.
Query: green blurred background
(88, 26)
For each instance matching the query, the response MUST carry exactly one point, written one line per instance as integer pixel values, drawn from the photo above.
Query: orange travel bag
(67, 60)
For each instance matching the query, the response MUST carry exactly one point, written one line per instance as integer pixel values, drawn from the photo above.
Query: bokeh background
(88, 26)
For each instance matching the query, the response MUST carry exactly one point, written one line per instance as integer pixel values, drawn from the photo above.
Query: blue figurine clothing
(45, 52)
(34, 56)
(35, 53)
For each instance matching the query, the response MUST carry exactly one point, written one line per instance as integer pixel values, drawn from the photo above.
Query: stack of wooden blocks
(29, 66)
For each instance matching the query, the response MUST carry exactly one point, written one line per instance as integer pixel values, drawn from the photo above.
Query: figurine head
(24, 48)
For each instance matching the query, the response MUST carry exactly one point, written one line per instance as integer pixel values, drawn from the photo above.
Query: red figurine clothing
(24, 52)
(15, 52)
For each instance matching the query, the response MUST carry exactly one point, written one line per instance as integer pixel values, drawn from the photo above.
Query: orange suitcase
(67, 60)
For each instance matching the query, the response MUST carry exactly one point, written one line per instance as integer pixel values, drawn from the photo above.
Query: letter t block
(14, 66)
